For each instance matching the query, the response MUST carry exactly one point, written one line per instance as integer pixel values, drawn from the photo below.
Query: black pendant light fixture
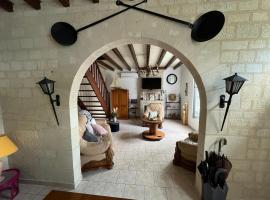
(233, 85)
(47, 87)
(206, 27)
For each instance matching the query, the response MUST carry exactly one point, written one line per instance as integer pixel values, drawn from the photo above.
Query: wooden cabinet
(120, 100)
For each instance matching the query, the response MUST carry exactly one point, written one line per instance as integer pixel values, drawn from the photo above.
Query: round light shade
(47, 85)
(7, 147)
(234, 83)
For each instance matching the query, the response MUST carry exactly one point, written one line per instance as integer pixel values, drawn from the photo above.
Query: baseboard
(47, 183)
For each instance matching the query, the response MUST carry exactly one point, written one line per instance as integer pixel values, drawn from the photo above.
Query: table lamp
(7, 147)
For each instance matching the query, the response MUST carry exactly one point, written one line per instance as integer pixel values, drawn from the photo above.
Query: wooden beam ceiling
(7, 5)
(162, 54)
(170, 62)
(148, 48)
(147, 68)
(119, 55)
(95, 1)
(109, 59)
(34, 4)
(65, 3)
(133, 54)
(100, 62)
(178, 65)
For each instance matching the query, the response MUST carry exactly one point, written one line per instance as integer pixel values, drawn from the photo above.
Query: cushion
(90, 128)
(99, 130)
(82, 123)
(90, 137)
(193, 137)
(152, 115)
(88, 115)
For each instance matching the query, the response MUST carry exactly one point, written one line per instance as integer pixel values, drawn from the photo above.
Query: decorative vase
(114, 119)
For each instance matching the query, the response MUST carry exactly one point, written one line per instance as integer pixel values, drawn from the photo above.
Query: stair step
(94, 106)
(94, 110)
(87, 96)
(86, 90)
(91, 101)
(85, 84)
(98, 114)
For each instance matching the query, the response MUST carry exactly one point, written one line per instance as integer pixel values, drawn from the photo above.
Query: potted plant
(114, 114)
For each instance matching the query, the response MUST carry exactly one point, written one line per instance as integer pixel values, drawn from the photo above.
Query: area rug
(61, 195)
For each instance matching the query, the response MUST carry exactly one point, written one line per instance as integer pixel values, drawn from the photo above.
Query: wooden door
(120, 100)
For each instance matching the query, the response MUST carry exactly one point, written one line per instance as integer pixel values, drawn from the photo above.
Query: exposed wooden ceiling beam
(119, 55)
(7, 5)
(162, 54)
(34, 4)
(159, 68)
(105, 65)
(178, 65)
(65, 3)
(170, 62)
(148, 46)
(95, 1)
(108, 58)
(133, 54)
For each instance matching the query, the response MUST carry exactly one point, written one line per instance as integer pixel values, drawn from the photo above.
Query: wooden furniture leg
(106, 163)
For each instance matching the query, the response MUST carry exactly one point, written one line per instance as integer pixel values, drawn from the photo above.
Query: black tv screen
(151, 83)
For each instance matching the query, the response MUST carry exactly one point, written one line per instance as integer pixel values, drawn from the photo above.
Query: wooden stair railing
(97, 83)
(81, 104)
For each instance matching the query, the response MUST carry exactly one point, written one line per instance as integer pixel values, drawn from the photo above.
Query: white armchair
(95, 154)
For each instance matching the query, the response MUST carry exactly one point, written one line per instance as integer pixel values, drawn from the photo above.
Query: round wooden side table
(11, 182)
(153, 133)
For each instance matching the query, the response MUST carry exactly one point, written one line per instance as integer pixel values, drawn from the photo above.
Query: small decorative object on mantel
(206, 27)
(171, 79)
(233, 86)
(186, 90)
(47, 87)
(114, 114)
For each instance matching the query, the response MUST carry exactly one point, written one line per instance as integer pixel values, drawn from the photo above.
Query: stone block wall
(28, 53)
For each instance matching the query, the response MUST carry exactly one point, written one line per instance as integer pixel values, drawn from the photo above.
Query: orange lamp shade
(7, 147)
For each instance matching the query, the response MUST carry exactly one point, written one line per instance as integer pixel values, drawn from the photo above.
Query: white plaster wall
(133, 84)
(186, 77)
(51, 153)
(175, 88)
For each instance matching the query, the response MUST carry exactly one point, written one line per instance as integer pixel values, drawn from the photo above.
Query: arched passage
(99, 52)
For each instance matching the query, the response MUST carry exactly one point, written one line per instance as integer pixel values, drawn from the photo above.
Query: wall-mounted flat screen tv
(151, 83)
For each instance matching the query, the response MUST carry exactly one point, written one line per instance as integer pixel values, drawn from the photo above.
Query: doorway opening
(194, 86)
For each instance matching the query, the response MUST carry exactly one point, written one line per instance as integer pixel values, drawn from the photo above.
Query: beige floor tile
(134, 192)
(155, 193)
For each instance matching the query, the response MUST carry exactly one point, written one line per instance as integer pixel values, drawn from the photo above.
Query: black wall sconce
(47, 87)
(233, 85)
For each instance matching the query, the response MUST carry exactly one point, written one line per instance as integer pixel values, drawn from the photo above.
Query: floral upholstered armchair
(154, 111)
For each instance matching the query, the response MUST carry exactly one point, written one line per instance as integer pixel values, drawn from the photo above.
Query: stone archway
(89, 60)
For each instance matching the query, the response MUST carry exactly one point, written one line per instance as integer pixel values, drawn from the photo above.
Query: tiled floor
(142, 170)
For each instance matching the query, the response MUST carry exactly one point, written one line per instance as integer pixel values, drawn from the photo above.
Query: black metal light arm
(57, 100)
(156, 14)
(222, 103)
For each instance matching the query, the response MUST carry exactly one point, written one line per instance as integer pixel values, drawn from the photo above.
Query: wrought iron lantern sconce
(47, 87)
(233, 86)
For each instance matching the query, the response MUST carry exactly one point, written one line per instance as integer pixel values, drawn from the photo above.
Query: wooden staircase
(93, 94)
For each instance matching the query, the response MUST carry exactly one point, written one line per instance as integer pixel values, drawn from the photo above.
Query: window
(196, 101)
